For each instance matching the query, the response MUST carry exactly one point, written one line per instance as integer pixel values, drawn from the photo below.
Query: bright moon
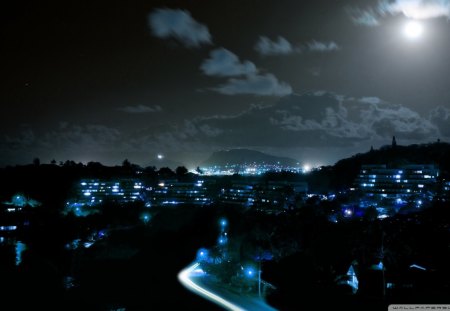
(413, 30)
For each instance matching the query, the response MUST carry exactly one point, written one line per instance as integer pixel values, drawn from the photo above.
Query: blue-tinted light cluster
(19, 201)
(252, 169)
(174, 192)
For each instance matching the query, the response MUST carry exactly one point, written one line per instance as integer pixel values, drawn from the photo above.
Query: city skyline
(310, 80)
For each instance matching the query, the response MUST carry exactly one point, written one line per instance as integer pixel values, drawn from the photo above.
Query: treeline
(52, 183)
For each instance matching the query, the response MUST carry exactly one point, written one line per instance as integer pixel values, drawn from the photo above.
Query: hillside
(343, 173)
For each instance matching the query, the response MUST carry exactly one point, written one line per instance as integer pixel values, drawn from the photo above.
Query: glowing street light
(249, 272)
(146, 218)
(202, 254)
(222, 240)
(223, 222)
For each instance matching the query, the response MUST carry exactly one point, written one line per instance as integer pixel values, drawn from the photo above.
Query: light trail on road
(184, 278)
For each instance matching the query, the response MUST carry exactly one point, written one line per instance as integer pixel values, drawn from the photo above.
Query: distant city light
(306, 168)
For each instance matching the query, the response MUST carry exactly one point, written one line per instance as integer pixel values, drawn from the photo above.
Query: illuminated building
(446, 190)
(400, 185)
(174, 192)
(238, 193)
(272, 196)
(95, 191)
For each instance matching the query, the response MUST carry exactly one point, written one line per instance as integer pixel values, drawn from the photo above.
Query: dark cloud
(224, 63)
(317, 46)
(440, 116)
(281, 46)
(23, 140)
(140, 109)
(367, 17)
(318, 120)
(370, 100)
(67, 141)
(266, 47)
(263, 85)
(178, 24)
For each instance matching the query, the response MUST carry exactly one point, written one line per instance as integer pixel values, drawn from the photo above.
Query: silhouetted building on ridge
(394, 142)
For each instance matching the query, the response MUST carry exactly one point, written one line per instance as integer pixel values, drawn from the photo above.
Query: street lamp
(223, 223)
(223, 240)
(259, 278)
(146, 218)
(202, 254)
(249, 272)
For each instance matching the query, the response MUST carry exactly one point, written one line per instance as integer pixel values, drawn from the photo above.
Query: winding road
(201, 284)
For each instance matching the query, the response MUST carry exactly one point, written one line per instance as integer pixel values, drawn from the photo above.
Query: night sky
(313, 80)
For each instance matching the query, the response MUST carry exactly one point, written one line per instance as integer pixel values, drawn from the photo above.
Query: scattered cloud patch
(312, 120)
(368, 17)
(224, 63)
(317, 46)
(281, 46)
(417, 9)
(370, 100)
(244, 77)
(179, 24)
(140, 109)
(266, 47)
(264, 85)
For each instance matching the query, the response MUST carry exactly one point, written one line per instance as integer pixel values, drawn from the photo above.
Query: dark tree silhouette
(199, 170)
(126, 163)
(181, 171)
(36, 162)
(165, 172)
